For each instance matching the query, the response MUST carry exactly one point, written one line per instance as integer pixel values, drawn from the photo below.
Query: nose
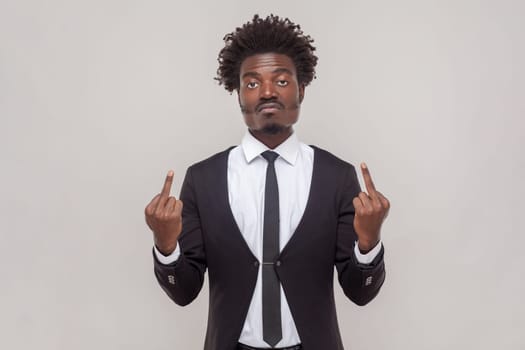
(268, 90)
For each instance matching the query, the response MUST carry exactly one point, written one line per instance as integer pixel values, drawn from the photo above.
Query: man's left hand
(370, 211)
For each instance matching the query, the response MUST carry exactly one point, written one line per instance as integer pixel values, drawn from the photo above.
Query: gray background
(98, 99)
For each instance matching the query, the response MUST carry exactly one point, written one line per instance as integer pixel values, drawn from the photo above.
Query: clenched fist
(370, 211)
(164, 218)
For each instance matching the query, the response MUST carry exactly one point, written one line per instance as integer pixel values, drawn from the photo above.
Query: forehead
(266, 63)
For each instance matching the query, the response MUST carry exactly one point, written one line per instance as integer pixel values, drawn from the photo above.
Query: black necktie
(271, 293)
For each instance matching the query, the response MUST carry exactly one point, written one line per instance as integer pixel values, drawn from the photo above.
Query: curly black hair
(271, 34)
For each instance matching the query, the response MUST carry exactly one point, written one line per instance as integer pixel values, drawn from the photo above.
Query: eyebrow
(278, 70)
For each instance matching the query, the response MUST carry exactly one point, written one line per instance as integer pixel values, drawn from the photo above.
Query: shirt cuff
(365, 258)
(167, 259)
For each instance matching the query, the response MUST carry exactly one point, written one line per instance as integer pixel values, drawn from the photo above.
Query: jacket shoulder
(329, 160)
(215, 161)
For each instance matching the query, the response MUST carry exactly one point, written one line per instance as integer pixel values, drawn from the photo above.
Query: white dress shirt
(246, 182)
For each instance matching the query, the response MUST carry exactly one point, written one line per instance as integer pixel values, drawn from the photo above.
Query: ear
(301, 92)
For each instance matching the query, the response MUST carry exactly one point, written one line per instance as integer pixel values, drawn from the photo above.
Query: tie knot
(270, 156)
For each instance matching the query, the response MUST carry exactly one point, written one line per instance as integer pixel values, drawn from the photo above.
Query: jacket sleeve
(182, 280)
(360, 282)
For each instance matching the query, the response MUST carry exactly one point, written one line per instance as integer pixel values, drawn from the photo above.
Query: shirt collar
(288, 150)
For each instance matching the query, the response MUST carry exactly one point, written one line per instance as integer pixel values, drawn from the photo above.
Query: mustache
(267, 103)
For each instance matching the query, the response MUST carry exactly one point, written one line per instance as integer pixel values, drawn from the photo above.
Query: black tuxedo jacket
(324, 238)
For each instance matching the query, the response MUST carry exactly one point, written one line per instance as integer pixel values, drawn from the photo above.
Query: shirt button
(278, 263)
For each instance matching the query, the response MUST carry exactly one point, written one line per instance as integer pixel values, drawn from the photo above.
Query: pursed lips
(269, 105)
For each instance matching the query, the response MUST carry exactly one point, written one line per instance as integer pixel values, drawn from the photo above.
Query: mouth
(269, 107)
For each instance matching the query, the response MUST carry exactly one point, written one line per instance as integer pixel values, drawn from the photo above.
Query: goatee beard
(273, 129)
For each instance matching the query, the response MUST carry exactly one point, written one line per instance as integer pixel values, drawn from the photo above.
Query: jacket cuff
(167, 259)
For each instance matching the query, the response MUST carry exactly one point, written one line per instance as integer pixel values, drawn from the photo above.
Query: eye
(282, 83)
(252, 84)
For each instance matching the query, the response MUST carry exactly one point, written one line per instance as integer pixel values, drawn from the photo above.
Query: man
(271, 217)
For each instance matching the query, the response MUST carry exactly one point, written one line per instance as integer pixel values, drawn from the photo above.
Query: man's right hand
(164, 218)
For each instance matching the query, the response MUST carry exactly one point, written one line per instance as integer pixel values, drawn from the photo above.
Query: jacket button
(278, 263)
(256, 263)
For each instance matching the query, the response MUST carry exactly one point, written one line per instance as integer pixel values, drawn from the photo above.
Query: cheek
(245, 98)
(293, 96)
(293, 99)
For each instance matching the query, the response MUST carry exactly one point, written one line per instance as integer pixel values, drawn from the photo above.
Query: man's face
(269, 93)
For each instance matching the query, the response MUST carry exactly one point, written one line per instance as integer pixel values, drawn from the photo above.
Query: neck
(272, 140)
